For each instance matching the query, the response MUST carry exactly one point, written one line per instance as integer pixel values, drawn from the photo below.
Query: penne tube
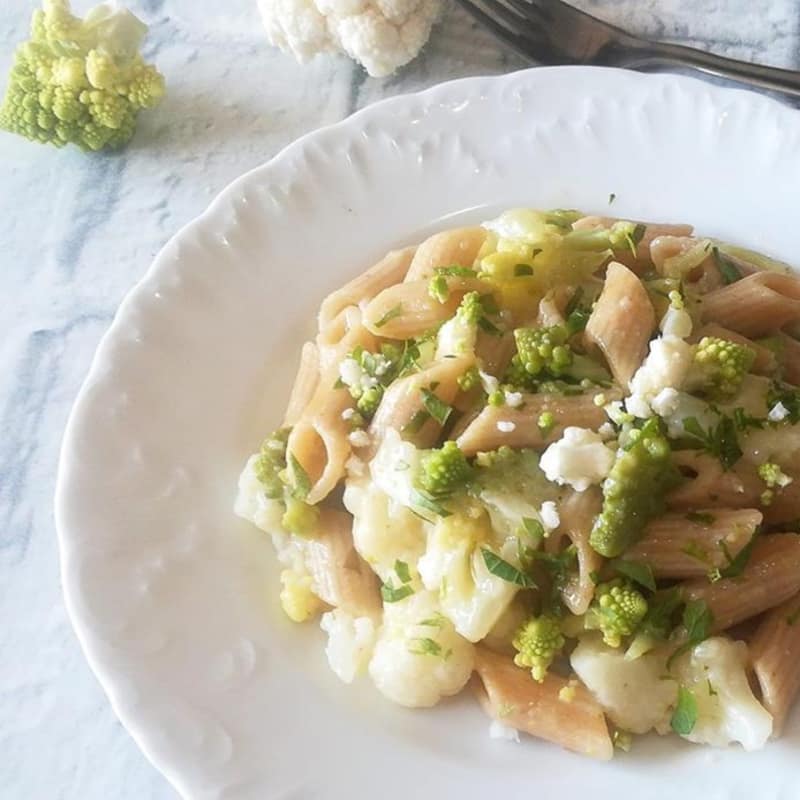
(690, 545)
(407, 310)
(765, 362)
(494, 352)
(772, 575)
(389, 270)
(775, 655)
(454, 248)
(496, 426)
(403, 405)
(757, 305)
(319, 439)
(341, 578)
(622, 322)
(708, 485)
(305, 384)
(789, 358)
(640, 262)
(577, 513)
(509, 695)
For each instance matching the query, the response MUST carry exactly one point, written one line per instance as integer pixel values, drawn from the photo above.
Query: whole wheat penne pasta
(407, 310)
(305, 384)
(496, 426)
(757, 305)
(687, 258)
(578, 512)
(772, 575)
(329, 341)
(341, 578)
(389, 270)
(509, 695)
(765, 362)
(319, 439)
(689, 545)
(775, 655)
(789, 358)
(622, 322)
(494, 352)
(641, 261)
(403, 405)
(708, 485)
(454, 248)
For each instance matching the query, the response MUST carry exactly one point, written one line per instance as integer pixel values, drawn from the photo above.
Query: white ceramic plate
(175, 600)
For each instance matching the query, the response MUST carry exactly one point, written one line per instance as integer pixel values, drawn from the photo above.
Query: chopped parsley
(684, 717)
(727, 267)
(438, 409)
(701, 518)
(418, 419)
(427, 647)
(611, 198)
(500, 568)
(698, 621)
(393, 594)
(522, 270)
(299, 478)
(391, 314)
(429, 503)
(456, 272)
(638, 571)
(719, 441)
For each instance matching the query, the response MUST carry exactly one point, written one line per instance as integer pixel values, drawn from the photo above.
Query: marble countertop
(76, 231)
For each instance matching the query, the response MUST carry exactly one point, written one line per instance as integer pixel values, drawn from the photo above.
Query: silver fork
(553, 32)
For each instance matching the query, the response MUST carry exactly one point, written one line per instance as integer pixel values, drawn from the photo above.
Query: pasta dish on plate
(555, 457)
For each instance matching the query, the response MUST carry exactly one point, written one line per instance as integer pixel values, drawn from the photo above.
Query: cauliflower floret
(453, 565)
(419, 658)
(382, 35)
(253, 504)
(351, 641)
(727, 711)
(383, 530)
(579, 458)
(631, 691)
(394, 466)
(666, 366)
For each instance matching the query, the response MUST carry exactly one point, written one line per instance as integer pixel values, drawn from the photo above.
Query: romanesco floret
(438, 288)
(443, 471)
(471, 308)
(633, 492)
(297, 600)
(616, 611)
(773, 475)
(719, 366)
(537, 642)
(79, 81)
(280, 484)
(539, 350)
(469, 379)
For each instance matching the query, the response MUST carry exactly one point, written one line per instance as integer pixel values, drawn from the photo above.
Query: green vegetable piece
(471, 309)
(438, 288)
(727, 267)
(271, 462)
(684, 717)
(719, 441)
(469, 380)
(392, 313)
(719, 366)
(638, 571)
(392, 594)
(80, 81)
(616, 611)
(443, 471)
(697, 622)
(633, 493)
(299, 517)
(537, 642)
(437, 408)
(500, 568)
(542, 349)
(427, 647)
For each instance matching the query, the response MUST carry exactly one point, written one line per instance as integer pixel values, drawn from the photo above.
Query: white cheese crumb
(489, 382)
(348, 413)
(665, 367)
(778, 412)
(676, 322)
(549, 514)
(607, 431)
(666, 402)
(359, 439)
(499, 731)
(350, 372)
(579, 458)
(514, 399)
(505, 426)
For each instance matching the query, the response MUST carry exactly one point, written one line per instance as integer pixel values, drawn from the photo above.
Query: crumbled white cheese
(455, 338)
(499, 731)
(607, 431)
(359, 439)
(353, 375)
(549, 515)
(505, 426)
(676, 322)
(579, 459)
(778, 412)
(348, 413)
(513, 399)
(665, 402)
(615, 412)
(665, 367)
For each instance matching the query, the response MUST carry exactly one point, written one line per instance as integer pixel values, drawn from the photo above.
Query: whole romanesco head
(443, 471)
(537, 642)
(633, 492)
(616, 611)
(80, 81)
(719, 366)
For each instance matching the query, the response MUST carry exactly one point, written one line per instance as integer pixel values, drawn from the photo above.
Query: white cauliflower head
(381, 35)
(419, 658)
(350, 642)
